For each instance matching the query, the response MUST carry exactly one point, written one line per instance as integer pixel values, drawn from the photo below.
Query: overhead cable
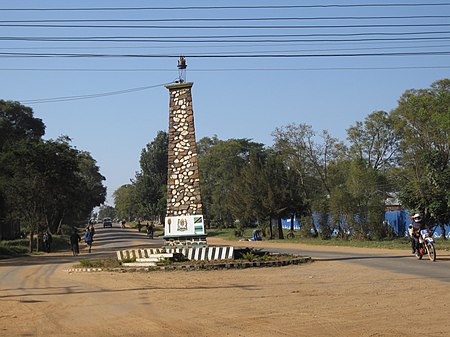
(79, 97)
(407, 17)
(91, 55)
(425, 4)
(222, 69)
(228, 26)
(204, 41)
(190, 37)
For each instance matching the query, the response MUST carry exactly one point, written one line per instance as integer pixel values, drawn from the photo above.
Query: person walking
(92, 229)
(88, 238)
(74, 240)
(47, 240)
(150, 229)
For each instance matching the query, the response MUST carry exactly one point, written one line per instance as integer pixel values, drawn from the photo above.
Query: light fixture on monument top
(182, 69)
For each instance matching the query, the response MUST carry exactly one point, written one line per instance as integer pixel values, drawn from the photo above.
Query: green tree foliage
(106, 211)
(43, 183)
(220, 164)
(125, 201)
(46, 185)
(374, 142)
(309, 156)
(93, 193)
(367, 200)
(423, 123)
(17, 123)
(374, 150)
(151, 181)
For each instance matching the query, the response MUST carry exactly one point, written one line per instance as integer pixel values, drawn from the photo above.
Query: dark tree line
(43, 183)
(344, 184)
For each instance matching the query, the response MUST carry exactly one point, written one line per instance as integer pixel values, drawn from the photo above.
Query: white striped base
(192, 253)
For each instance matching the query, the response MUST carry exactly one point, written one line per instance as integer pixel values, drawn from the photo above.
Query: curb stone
(211, 266)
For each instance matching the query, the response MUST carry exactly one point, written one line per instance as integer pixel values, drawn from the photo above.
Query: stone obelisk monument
(184, 219)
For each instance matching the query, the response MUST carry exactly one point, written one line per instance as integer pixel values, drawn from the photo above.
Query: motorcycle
(426, 245)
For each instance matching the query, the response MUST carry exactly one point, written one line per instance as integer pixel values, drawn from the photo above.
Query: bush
(11, 248)
(12, 251)
(15, 243)
(99, 263)
(250, 254)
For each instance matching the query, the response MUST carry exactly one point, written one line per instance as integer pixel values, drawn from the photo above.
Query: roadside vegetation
(44, 184)
(393, 243)
(20, 247)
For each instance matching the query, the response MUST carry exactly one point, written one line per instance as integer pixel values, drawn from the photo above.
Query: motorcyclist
(414, 232)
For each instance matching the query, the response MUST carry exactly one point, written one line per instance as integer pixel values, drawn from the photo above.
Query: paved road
(395, 261)
(109, 240)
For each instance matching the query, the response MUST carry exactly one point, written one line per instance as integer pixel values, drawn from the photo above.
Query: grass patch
(20, 247)
(98, 263)
(397, 243)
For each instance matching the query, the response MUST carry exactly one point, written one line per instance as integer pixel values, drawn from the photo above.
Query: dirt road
(324, 298)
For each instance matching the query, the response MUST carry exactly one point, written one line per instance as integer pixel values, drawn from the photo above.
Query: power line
(232, 7)
(77, 38)
(201, 40)
(244, 52)
(223, 69)
(228, 26)
(391, 44)
(235, 19)
(80, 97)
(79, 55)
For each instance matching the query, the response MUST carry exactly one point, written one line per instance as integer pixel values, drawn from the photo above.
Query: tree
(423, 123)
(151, 181)
(219, 166)
(45, 184)
(107, 212)
(17, 123)
(245, 196)
(125, 201)
(365, 187)
(374, 141)
(311, 161)
(374, 147)
(92, 191)
(276, 200)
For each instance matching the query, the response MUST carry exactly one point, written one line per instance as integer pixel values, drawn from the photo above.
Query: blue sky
(233, 97)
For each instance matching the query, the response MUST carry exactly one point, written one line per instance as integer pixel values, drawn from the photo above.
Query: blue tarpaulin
(399, 220)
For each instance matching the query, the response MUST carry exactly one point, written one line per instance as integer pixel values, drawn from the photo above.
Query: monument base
(185, 241)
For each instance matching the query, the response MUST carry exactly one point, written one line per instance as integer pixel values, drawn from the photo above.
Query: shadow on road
(77, 291)
(348, 258)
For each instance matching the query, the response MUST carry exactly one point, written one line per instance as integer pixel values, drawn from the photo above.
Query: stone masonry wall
(183, 187)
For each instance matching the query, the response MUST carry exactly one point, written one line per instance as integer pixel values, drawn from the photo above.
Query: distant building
(392, 202)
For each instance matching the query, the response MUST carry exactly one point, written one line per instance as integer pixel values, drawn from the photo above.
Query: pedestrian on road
(92, 229)
(88, 238)
(74, 240)
(150, 230)
(47, 240)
